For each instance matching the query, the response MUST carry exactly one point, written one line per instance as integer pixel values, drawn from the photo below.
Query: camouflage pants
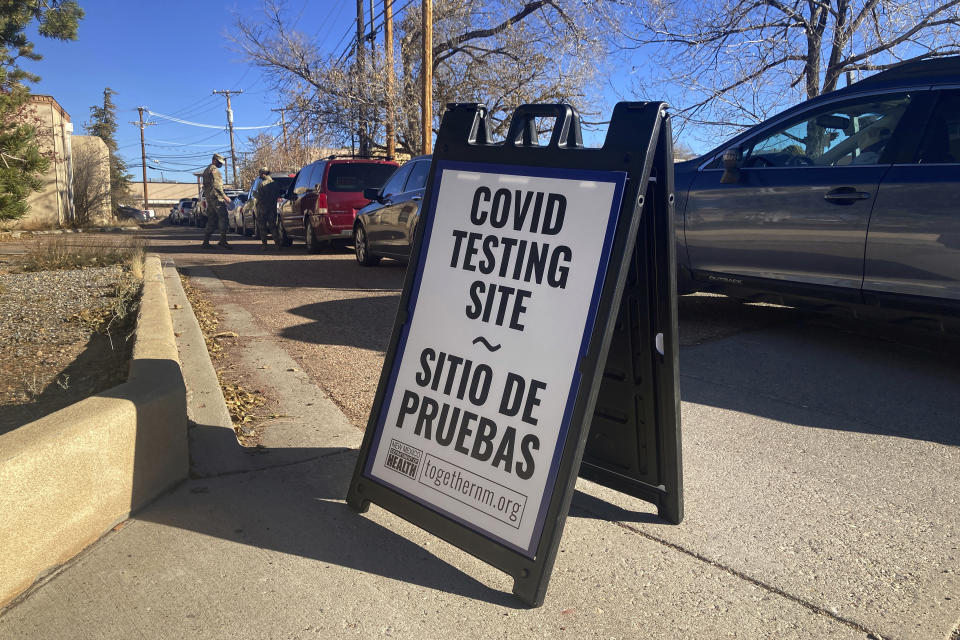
(216, 215)
(266, 221)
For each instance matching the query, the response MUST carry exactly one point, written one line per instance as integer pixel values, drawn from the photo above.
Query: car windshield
(358, 176)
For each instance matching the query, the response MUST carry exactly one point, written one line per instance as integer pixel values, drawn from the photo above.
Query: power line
(373, 31)
(207, 126)
(202, 104)
(187, 144)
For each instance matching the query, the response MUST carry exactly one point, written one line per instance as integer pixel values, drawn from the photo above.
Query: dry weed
(241, 402)
(61, 252)
(120, 316)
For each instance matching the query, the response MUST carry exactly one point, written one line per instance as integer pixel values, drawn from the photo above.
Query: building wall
(52, 206)
(163, 195)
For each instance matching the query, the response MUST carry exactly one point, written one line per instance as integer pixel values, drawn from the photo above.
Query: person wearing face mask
(217, 202)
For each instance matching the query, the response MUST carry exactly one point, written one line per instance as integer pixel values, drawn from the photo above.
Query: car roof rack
(921, 70)
(358, 156)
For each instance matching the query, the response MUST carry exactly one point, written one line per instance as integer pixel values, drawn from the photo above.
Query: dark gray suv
(851, 198)
(385, 227)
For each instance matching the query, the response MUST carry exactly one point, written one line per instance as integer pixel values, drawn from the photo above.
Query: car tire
(281, 239)
(310, 237)
(361, 249)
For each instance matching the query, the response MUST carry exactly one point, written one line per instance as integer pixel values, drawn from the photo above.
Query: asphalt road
(821, 454)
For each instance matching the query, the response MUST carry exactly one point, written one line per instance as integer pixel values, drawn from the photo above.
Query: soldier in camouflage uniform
(217, 202)
(266, 206)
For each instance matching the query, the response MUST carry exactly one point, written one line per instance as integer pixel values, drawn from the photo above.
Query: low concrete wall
(68, 478)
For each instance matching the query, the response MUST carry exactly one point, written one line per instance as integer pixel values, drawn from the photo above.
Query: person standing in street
(266, 206)
(217, 202)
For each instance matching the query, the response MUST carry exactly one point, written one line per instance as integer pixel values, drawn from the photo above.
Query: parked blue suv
(851, 198)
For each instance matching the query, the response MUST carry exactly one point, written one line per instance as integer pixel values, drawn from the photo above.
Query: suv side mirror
(372, 193)
(732, 158)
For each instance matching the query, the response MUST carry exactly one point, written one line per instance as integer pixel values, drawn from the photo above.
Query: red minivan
(322, 201)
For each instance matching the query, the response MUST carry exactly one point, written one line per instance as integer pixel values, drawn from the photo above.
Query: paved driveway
(821, 455)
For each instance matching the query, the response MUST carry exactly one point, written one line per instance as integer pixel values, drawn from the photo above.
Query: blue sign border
(618, 179)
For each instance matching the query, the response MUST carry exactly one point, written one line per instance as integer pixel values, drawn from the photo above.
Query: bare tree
(91, 180)
(267, 151)
(500, 52)
(735, 62)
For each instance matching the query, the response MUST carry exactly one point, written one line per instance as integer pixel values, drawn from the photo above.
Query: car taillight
(321, 203)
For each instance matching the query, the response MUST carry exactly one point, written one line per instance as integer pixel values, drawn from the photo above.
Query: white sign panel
(486, 372)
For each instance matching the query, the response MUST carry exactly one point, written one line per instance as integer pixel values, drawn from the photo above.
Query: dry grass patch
(62, 252)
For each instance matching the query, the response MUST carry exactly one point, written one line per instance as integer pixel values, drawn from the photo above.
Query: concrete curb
(312, 419)
(71, 476)
(213, 443)
(214, 449)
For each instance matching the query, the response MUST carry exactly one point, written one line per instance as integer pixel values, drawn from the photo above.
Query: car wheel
(281, 239)
(361, 249)
(313, 245)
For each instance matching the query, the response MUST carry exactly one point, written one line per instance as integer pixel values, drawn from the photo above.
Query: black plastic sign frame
(528, 250)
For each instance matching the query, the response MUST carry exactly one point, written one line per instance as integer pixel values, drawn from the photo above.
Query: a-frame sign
(537, 320)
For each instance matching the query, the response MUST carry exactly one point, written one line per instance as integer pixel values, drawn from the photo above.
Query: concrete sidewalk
(821, 477)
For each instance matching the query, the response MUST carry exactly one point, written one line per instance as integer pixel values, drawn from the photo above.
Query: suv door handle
(845, 195)
(417, 198)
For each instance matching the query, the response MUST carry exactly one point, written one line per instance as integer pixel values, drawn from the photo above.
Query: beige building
(162, 195)
(53, 205)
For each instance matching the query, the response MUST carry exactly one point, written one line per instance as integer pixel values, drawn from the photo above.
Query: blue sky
(169, 56)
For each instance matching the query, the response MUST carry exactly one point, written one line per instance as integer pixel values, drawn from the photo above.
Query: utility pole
(143, 153)
(283, 125)
(233, 152)
(426, 70)
(371, 93)
(388, 55)
(361, 72)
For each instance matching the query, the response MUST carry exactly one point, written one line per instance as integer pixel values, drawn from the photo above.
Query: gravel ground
(44, 335)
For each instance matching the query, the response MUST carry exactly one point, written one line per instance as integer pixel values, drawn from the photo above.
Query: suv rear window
(283, 182)
(355, 176)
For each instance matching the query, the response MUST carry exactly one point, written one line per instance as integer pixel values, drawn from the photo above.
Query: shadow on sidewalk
(830, 373)
(335, 322)
(298, 510)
